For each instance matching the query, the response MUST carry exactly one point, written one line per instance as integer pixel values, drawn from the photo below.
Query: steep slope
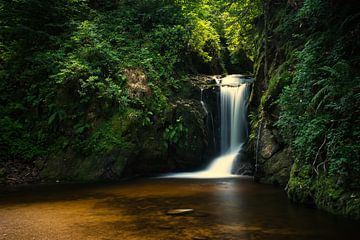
(306, 102)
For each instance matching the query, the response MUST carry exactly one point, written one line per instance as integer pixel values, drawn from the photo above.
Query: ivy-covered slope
(308, 117)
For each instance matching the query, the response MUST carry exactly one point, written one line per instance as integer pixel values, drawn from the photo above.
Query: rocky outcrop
(193, 127)
(268, 144)
(273, 157)
(277, 168)
(134, 142)
(187, 153)
(271, 154)
(291, 35)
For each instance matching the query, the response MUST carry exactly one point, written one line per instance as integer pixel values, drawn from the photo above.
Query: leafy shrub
(318, 117)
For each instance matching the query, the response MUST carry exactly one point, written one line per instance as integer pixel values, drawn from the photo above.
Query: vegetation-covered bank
(307, 100)
(95, 90)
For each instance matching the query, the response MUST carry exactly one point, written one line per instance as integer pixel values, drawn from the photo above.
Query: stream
(231, 208)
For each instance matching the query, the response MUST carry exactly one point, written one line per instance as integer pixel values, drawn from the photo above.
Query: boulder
(277, 168)
(269, 145)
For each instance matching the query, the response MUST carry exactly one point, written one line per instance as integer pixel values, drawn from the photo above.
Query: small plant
(174, 133)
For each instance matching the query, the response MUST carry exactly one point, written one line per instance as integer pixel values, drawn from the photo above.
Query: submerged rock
(200, 238)
(178, 212)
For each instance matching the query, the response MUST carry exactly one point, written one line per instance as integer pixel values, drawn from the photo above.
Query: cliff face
(305, 114)
(273, 68)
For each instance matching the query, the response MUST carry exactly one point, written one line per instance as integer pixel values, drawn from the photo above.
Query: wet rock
(177, 212)
(204, 81)
(243, 164)
(199, 238)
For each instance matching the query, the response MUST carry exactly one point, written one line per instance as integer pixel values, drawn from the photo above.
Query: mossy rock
(324, 191)
(71, 166)
(269, 145)
(2, 175)
(330, 196)
(299, 186)
(277, 168)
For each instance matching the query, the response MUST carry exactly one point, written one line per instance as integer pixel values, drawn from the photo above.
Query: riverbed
(232, 208)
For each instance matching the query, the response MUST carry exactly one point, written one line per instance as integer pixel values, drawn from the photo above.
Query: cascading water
(234, 129)
(234, 92)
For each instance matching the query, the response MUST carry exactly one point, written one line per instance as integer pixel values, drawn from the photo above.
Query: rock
(243, 165)
(199, 238)
(177, 212)
(269, 145)
(277, 168)
(204, 81)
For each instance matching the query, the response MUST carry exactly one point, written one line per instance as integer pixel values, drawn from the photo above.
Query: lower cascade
(234, 93)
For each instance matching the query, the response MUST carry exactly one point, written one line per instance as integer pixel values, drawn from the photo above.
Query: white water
(234, 130)
(202, 102)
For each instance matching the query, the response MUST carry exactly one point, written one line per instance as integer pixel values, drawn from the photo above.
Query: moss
(85, 170)
(333, 198)
(2, 175)
(73, 167)
(280, 75)
(119, 165)
(279, 78)
(323, 191)
(299, 186)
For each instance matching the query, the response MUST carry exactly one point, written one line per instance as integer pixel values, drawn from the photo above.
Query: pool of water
(232, 208)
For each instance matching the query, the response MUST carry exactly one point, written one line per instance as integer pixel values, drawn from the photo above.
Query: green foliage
(317, 118)
(87, 78)
(324, 191)
(239, 25)
(315, 70)
(214, 23)
(311, 11)
(16, 143)
(2, 175)
(104, 140)
(174, 133)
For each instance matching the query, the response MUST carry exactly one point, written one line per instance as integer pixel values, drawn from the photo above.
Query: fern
(321, 96)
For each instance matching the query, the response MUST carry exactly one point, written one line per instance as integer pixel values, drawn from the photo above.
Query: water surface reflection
(223, 209)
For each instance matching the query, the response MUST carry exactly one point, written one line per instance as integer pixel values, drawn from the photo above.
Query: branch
(317, 155)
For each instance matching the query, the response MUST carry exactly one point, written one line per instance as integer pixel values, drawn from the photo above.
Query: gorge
(101, 97)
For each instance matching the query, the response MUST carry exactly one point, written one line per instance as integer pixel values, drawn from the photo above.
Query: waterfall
(234, 93)
(234, 127)
(234, 130)
(202, 102)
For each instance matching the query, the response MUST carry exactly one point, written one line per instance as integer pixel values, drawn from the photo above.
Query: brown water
(223, 209)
